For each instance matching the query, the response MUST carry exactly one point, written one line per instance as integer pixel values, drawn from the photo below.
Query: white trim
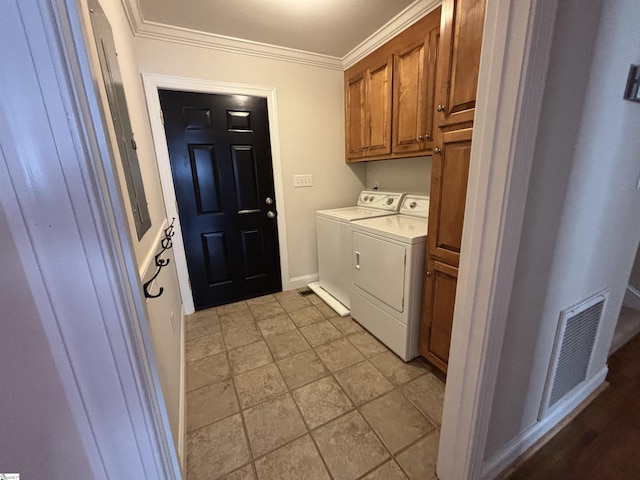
(148, 262)
(393, 27)
(152, 83)
(516, 48)
(527, 439)
(631, 298)
(186, 36)
(301, 281)
(182, 415)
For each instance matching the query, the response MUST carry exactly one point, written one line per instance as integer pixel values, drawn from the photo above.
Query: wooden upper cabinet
(390, 95)
(415, 58)
(461, 26)
(379, 107)
(368, 109)
(356, 115)
(449, 177)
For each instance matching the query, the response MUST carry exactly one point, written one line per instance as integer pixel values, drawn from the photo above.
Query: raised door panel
(437, 312)
(379, 108)
(457, 77)
(414, 88)
(355, 115)
(449, 178)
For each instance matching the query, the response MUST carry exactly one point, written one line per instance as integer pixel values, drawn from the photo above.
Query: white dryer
(387, 274)
(334, 244)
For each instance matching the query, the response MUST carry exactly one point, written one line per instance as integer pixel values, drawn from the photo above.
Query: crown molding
(393, 27)
(146, 29)
(157, 31)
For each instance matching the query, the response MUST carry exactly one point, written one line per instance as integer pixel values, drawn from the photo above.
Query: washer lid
(348, 214)
(403, 228)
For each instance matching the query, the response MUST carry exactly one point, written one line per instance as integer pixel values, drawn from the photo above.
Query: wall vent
(577, 332)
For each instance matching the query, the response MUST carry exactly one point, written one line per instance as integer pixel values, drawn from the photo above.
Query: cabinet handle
(436, 150)
(427, 274)
(357, 260)
(440, 108)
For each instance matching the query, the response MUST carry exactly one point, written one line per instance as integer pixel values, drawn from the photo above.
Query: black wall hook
(166, 243)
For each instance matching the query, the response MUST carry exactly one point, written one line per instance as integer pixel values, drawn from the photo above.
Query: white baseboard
(182, 416)
(631, 298)
(299, 282)
(518, 446)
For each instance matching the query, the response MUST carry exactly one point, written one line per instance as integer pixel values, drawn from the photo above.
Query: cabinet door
(437, 312)
(414, 90)
(379, 107)
(449, 176)
(459, 60)
(356, 115)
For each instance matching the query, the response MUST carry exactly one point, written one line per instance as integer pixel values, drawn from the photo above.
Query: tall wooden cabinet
(390, 94)
(455, 99)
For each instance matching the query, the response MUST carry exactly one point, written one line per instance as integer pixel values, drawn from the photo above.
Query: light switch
(305, 180)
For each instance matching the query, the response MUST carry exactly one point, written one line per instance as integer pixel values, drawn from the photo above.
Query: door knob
(268, 200)
(440, 108)
(271, 214)
(436, 150)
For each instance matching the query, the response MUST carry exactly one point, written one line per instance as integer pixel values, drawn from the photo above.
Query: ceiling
(325, 27)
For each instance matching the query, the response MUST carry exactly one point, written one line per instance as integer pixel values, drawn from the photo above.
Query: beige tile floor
(279, 388)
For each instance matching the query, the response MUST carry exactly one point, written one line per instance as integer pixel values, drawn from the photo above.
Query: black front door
(220, 158)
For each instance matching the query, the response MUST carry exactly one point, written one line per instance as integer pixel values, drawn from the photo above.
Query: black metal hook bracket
(166, 243)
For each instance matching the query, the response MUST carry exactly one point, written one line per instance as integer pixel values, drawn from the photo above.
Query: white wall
(412, 175)
(165, 319)
(38, 436)
(581, 228)
(166, 338)
(311, 124)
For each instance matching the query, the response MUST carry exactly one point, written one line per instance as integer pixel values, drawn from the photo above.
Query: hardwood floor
(603, 441)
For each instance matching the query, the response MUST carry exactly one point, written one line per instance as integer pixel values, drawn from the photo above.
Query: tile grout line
(329, 373)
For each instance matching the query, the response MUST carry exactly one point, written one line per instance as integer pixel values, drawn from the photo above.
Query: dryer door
(379, 268)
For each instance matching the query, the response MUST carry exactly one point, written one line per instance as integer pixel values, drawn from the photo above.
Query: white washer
(334, 244)
(387, 273)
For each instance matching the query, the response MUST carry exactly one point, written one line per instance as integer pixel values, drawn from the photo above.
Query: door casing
(152, 83)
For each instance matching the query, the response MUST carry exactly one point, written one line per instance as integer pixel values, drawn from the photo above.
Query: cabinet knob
(428, 137)
(428, 274)
(436, 150)
(421, 138)
(440, 108)
(363, 147)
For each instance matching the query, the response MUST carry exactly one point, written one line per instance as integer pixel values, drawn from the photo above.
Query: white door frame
(152, 83)
(515, 53)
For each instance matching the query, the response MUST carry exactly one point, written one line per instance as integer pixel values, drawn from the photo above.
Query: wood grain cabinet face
(414, 89)
(438, 305)
(390, 96)
(449, 178)
(461, 27)
(368, 110)
(356, 116)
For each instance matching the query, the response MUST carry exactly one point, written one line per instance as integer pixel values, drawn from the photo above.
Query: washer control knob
(389, 201)
(413, 205)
